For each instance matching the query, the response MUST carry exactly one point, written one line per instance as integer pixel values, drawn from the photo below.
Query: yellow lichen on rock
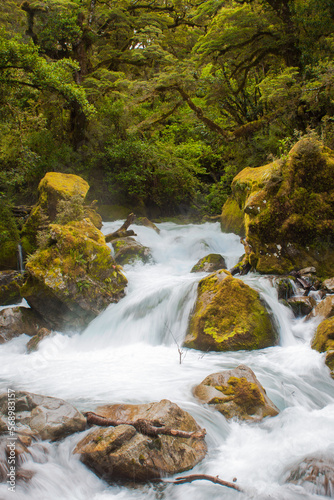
(228, 315)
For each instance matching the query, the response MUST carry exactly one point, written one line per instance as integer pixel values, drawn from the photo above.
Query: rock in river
(122, 452)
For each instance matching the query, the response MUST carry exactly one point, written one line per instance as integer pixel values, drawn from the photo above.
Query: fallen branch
(195, 477)
(122, 232)
(143, 426)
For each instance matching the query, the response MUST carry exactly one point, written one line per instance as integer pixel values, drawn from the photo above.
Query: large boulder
(42, 417)
(123, 453)
(236, 393)
(209, 264)
(15, 321)
(286, 210)
(315, 475)
(228, 316)
(75, 278)
(61, 200)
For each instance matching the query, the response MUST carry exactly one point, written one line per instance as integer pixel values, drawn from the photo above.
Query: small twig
(179, 350)
(195, 477)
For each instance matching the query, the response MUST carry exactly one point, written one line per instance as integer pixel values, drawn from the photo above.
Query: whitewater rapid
(132, 353)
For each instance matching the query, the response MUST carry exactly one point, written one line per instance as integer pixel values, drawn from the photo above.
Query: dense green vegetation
(159, 103)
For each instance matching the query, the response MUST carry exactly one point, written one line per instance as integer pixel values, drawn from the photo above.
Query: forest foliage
(159, 103)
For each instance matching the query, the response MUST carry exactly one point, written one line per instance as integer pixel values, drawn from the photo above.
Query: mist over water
(131, 353)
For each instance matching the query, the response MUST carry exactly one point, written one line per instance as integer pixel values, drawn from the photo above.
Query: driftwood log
(143, 426)
(122, 232)
(196, 477)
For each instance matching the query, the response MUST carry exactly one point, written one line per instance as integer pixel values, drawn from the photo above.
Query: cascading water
(131, 353)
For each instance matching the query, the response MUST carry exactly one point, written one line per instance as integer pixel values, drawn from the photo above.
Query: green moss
(229, 316)
(289, 205)
(9, 238)
(243, 393)
(215, 259)
(232, 218)
(323, 339)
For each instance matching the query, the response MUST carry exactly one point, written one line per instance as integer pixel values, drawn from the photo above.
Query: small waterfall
(20, 264)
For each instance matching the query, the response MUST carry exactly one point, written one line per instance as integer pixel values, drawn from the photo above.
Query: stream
(132, 353)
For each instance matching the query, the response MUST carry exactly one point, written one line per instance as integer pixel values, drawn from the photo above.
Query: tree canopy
(160, 102)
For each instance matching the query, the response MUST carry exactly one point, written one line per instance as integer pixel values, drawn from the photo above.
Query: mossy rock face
(122, 453)
(9, 239)
(10, 283)
(284, 287)
(229, 316)
(56, 186)
(323, 339)
(73, 280)
(288, 211)
(209, 264)
(232, 218)
(61, 200)
(236, 393)
(129, 251)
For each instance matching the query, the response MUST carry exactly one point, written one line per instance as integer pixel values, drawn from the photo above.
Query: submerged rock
(236, 393)
(315, 475)
(123, 453)
(43, 417)
(10, 283)
(228, 316)
(285, 211)
(209, 264)
(129, 251)
(74, 279)
(15, 321)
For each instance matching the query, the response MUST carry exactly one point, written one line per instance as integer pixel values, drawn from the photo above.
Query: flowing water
(133, 353)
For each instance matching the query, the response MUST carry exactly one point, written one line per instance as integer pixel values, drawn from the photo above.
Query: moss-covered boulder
(9, 238)
(209, 264)
(75, 278)
(128, 251)
(122, 452)
(10, 284)
(236, 393)
(61, 200)
(229, 316)
(288, 211)
(323, 341)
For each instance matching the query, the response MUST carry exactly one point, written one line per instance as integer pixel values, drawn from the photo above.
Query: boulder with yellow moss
(286, 211)
(61, 199)
(323, 341)
(229, 316)
(236, 393)
(74, 278)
